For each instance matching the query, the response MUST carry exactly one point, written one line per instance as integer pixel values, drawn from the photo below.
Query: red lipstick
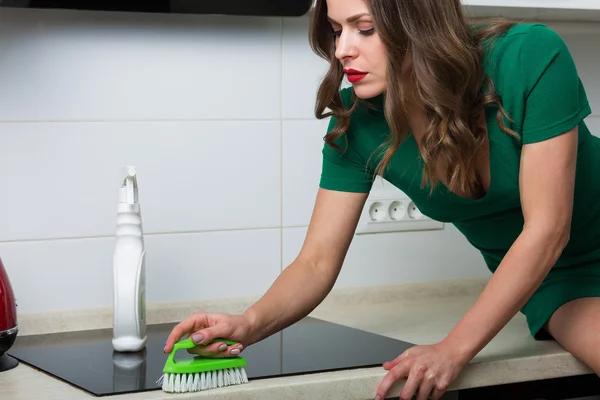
(354, 75)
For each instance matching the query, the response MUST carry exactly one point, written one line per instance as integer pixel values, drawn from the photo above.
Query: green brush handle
(200, 364)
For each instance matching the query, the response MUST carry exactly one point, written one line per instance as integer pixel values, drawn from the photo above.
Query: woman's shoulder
(520, 55)
(528, 36)
(528, 29)
(366, 120)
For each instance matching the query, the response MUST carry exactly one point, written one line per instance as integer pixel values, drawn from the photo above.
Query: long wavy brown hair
(448, 75)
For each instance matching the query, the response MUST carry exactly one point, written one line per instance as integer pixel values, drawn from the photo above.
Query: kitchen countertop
(420, 313)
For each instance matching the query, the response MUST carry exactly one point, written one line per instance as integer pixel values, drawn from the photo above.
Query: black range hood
(269, 8)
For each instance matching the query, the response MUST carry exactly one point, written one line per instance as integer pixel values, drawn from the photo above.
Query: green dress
(533, 71)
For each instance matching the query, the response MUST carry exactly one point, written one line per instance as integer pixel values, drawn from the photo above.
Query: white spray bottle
(129, 297)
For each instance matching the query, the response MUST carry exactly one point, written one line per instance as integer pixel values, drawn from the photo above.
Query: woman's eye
(367, 32)
(336, 33)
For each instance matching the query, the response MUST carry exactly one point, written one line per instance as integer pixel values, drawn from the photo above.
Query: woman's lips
(354, 75)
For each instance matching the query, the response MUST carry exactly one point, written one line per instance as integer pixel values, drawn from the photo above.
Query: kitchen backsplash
(217, 113)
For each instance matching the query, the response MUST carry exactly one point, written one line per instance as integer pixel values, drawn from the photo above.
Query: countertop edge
(359, 383)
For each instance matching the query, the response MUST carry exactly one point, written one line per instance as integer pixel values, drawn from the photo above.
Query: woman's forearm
(517, 277)
(295, 293)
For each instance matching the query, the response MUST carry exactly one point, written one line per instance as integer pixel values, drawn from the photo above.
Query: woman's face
(358, 46)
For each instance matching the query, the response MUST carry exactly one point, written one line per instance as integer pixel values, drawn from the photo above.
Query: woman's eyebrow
(349, 19)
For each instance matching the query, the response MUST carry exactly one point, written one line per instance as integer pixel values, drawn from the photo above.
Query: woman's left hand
(429, 369)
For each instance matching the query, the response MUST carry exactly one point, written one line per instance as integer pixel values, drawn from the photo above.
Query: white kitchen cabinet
(549, 10)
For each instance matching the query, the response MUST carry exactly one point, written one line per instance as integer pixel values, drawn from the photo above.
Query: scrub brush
(201, 373)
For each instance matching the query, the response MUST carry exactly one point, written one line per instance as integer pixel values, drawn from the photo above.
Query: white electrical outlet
(393, 215)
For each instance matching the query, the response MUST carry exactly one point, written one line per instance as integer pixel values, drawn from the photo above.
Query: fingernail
(197, 338)
(235, 352)
(377, 398)
(165, 349)
(223, 347)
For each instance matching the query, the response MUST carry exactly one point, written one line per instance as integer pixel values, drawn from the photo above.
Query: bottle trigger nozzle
(130, 184)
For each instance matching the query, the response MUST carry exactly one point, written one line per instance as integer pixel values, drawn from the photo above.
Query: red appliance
(8, 321)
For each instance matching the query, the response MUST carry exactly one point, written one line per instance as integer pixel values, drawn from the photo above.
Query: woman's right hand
(204, 327)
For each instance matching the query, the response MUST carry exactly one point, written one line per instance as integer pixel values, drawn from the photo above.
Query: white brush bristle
(182, 383)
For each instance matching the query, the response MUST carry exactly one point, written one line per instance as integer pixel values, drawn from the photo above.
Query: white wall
(217, 115)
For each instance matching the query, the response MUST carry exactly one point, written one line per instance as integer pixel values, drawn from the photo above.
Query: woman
(482, 126)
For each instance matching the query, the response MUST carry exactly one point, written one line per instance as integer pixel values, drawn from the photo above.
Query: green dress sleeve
(344, 170)
(555, 100)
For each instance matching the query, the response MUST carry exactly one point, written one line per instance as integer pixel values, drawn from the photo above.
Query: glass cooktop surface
(85, 359)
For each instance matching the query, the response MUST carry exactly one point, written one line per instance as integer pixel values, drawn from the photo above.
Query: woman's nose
(344, 47)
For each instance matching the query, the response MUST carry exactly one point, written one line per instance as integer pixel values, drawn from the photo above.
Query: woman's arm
(310, 277)
(547, 181)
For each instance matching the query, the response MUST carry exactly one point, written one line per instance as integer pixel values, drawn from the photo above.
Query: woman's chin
(364, 91)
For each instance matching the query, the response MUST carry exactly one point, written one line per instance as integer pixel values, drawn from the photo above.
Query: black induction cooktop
(85, 359)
